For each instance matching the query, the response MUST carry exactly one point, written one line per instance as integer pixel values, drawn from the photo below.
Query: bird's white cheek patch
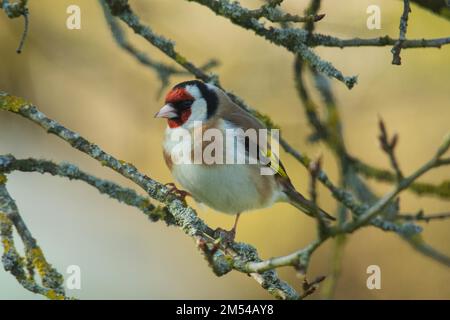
(198, 113)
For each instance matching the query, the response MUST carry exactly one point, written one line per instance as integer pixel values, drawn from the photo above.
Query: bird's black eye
(184, 104)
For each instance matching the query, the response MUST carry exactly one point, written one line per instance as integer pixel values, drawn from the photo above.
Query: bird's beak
(166, 112)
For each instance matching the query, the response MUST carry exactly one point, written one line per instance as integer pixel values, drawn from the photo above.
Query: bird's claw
(225, 236)
(177, 192)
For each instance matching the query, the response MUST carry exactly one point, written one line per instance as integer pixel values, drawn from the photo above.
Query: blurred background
(85, 81)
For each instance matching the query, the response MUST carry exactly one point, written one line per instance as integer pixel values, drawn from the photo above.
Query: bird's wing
(240, 118)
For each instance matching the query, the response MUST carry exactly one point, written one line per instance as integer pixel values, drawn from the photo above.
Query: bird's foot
(225, 236)
(177, 192)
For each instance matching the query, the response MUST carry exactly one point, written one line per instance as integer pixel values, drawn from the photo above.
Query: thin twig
(396, 59)
(388, 146)
(15, 10)
(421, 216)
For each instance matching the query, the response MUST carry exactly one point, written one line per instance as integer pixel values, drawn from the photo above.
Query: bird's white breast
(229, 188)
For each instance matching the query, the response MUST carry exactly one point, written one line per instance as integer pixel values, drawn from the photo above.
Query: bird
(231, 188)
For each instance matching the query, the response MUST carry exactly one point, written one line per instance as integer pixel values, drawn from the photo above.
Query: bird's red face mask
(178, 107)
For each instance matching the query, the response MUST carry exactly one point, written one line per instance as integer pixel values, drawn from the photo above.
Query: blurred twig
(15, 10)
(438, 7)
(421, 216)
(164, 71)
(388, 146)
(441, 190)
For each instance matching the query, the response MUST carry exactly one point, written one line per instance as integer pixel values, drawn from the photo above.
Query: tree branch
(9, 163)
(421, 216)
(403, 26)
(24, 268)
(294, 40)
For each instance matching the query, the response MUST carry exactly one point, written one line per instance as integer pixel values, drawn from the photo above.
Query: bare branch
(388, 146)
(421, 216)
(15, 10)
(403, 26)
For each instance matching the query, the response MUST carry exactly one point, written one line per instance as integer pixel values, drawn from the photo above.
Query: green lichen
(3, 179)
(266, 120)
(445, 12)
(180, 59)
(53, 295)
(441, 190)
(36, 256)
(12, 103)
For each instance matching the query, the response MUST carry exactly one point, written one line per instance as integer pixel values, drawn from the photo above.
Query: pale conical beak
(166, 112)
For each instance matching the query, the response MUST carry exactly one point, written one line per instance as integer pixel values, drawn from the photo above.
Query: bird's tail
(303, 204)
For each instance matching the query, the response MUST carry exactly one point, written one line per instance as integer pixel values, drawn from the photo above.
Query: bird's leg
(228, 236)
(179, 193)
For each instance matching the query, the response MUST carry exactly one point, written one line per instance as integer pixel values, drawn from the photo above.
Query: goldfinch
(231, 188)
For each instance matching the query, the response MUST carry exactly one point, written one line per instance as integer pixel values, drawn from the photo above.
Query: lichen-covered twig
(396, 59)
(9, 163)
(292, 39)
(271, 13)
(330, 41)
(24, 268)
